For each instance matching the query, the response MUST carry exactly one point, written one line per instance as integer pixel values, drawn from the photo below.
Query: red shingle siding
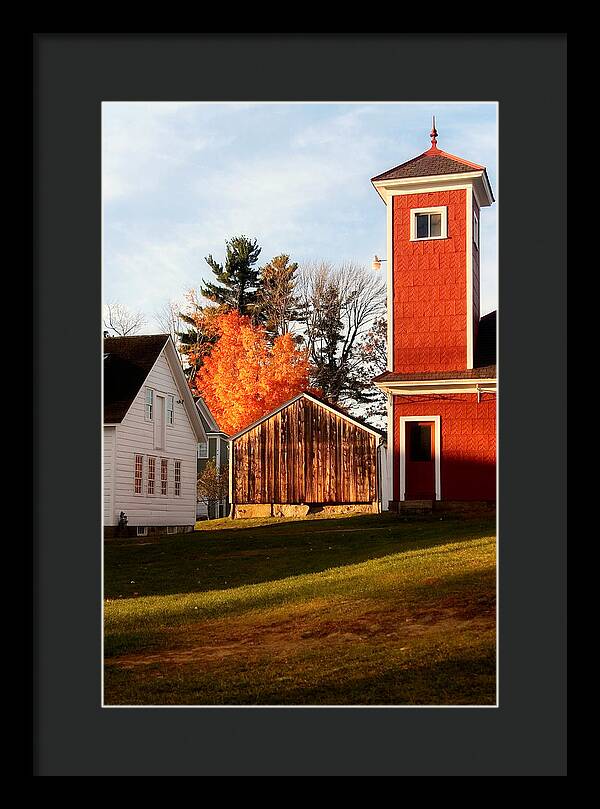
(468, 448)
(430, 287)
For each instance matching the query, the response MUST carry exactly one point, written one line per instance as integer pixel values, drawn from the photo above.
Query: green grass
(370, 609)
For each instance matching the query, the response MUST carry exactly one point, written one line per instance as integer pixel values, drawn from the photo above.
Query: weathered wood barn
(305, 453)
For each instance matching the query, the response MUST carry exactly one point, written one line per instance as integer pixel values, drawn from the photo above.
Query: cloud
(180, 177)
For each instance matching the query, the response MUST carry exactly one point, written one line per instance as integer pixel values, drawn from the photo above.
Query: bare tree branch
(121, 321)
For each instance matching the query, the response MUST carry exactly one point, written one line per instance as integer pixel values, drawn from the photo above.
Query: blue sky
(181, 177)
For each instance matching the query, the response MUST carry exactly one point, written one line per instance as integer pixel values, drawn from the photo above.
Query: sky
(179, 178)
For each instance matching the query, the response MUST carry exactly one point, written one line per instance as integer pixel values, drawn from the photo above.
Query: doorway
(420, 458)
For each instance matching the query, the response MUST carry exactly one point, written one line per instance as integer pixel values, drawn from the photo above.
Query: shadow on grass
(466, 679)
(230, 557)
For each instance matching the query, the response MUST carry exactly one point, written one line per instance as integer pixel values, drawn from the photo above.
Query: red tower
(441, 376)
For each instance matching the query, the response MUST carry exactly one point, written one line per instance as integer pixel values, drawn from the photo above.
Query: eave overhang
(477, 179)
(421, 387)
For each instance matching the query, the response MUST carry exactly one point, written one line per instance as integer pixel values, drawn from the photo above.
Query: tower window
(475, 230)
(428, 223)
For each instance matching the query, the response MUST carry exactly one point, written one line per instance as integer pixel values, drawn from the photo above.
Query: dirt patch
(213, 641)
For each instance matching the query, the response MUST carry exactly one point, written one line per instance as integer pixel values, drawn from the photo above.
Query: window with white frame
(151, 474)
(428, 223)
(203, 449)
(164, 476)
(170, 409)
(138, 473)
(475, 229)
(142, 530)
(177, 478)
(149, 404)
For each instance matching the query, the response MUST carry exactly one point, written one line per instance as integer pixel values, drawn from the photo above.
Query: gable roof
(127, 363)
(208, 420)
(318, 400)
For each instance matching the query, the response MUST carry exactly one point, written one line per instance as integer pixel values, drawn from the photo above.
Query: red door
(420, 460)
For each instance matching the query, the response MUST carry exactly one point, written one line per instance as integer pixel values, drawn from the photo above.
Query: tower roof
(431, 163)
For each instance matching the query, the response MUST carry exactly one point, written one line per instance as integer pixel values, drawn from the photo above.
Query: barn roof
(127, 363)
(484, 364)
(318, 400)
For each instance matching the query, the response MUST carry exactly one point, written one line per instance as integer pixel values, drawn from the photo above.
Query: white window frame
(141, 477)
(170, 409)
(149, 413)
(177, 476)
(142, 531)
(171, 529)
(151, 479)
(475, 229)
(441, 209)
(164, 463)
(437, 453)
(201, 456)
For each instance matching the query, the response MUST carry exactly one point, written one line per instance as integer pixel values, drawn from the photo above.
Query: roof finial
(433, 134)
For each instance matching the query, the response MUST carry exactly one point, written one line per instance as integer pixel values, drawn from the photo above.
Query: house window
(177, 478)
(151, 474)
(420, 442)
(164, 475)
(142, 530)
(137, 475)
(171, 529)
(428, 223)
(203, 449)
(149, 403)
(170, 409)
(475, 230)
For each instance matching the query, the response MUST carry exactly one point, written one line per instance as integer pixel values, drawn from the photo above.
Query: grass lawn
(355, 610)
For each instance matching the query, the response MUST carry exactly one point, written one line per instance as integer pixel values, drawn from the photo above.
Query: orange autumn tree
(244, 377)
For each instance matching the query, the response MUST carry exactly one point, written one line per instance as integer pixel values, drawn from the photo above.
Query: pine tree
(238, 277)
(277, 303)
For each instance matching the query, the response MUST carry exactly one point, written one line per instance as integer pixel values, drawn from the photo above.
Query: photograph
(299, 381)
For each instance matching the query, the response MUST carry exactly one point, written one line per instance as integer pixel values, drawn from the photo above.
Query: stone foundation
(114, 532)
(250, 510)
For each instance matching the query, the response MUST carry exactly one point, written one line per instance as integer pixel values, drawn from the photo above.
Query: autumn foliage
(244, 377)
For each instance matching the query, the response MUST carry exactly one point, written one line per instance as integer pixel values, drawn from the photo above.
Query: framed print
(311, 528)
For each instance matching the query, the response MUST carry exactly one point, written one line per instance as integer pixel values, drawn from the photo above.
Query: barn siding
(305, 454)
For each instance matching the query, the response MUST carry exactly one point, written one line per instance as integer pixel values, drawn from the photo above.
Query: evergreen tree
(277, 303)
(237, 278)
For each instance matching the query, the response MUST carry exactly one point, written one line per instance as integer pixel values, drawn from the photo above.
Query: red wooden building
(441, 375)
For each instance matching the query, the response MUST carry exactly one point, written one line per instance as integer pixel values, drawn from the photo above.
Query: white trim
(469, 280)
(437, 386)
(442, 210)
(390, 443)
(390, 283)
(411, 185)
(437, 453)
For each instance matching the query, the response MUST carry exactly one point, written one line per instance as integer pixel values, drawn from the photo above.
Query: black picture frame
(72, 75)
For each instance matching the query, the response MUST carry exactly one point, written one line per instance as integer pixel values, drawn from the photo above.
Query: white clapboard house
(151, 434)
